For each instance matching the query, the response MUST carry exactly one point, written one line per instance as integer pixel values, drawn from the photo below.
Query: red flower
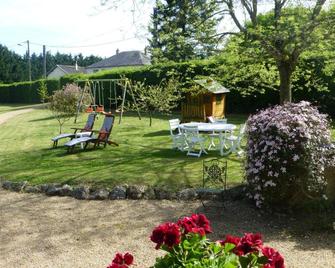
(118, 258)
(167, 234)
(121, 261)
(197, 223)
(249, 243)
(128, 258)
(275, 260)
(232, 240)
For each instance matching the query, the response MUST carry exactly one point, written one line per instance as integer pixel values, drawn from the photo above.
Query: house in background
(61, 70)
(120, 59)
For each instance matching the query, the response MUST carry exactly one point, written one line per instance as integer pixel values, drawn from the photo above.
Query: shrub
(186, 245)
(64, 103)
(285, 159)
(162, 98)
(43, 91)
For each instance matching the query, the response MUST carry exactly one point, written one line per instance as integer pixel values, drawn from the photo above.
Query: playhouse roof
(212, 86)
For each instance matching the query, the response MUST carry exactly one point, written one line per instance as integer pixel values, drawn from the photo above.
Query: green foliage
(25, 92)
(183, 30)
(161, 98)
(14, 68)
(64, 103)
(43, 91)
(198, 252)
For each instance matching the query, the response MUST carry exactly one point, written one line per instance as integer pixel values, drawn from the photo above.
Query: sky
(73, 26)
(80, 26)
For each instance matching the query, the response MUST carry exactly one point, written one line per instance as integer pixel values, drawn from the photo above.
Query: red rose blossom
(168, 234)
(249, 243)
(275, 260)
(197, 223)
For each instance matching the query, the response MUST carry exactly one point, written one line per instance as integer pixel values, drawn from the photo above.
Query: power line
(81, 46)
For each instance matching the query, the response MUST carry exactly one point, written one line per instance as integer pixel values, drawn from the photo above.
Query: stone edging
(120, 192)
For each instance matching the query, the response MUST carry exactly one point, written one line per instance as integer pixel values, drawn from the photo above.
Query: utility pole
(44, 63)
(28, 54)
(29, 61)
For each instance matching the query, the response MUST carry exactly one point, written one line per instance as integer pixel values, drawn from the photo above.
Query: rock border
(122, 192)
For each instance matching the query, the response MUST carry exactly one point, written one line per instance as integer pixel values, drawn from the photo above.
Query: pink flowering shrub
(285, 159)
(186, 245)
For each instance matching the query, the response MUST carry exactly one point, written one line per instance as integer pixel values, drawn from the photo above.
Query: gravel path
(40, 231)
(8, 115)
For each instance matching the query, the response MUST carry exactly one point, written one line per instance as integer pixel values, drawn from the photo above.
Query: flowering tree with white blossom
(285, 159)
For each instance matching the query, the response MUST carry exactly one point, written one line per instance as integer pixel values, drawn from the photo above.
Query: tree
(181, 30)
(64, 102)
(13, 67)
(283, 36)
(157, 98)
(43, 91)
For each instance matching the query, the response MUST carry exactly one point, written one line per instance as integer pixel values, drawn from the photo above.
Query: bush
(186, 245)
(64, 103)
(286, 159)
(25, 92)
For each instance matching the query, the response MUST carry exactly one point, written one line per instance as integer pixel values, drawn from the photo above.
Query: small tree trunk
(150, 116)
(285, 74)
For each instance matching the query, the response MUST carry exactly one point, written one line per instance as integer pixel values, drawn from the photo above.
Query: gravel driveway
(40, 231)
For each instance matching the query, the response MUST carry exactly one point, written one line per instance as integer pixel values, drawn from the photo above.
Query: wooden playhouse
(208, 100)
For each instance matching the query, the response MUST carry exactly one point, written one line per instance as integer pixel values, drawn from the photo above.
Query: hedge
(266, 93)
(249, 90)
(25, 92)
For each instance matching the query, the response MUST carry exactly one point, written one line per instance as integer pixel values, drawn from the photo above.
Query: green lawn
(143, 157)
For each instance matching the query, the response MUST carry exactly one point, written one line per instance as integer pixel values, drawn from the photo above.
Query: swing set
(96, 89)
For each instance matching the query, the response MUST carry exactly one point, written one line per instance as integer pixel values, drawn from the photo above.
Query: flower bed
(186, 245)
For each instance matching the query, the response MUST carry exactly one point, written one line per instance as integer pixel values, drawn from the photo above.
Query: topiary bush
(286, 158)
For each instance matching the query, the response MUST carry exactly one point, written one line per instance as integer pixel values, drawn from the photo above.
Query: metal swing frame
(125, 85)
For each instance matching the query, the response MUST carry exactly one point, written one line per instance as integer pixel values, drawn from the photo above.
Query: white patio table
(222, 129)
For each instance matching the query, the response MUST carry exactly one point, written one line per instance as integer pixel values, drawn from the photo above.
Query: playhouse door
(208, 105)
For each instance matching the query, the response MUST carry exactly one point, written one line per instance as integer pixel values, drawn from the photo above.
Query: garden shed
(207, 100)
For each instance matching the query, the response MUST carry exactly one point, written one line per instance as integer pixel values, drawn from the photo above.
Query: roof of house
(126, 58)
(69, 69)
(212, 86)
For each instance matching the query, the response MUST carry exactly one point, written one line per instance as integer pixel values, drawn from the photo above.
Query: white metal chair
(213, 120)
(235, 141)
(178, 139)
(214, 135)
(192, 138)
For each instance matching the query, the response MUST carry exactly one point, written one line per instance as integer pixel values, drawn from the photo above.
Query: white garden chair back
(235, 141)
(178, 140)
(193, 138)
(214, 134)
(211, 119)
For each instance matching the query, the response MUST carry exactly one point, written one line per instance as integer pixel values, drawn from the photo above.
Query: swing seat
(89, 109)
(100, 109)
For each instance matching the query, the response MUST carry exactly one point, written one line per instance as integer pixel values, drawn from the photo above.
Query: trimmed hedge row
(264, 93)
(237, 100)
(25, 92)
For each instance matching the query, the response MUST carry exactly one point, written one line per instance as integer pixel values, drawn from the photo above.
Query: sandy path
(8, 115)
(40, 231)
